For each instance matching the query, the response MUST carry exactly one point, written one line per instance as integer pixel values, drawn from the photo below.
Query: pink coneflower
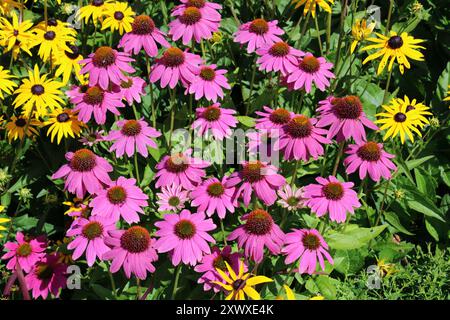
(216, 260)
(106, 65)
(371, 159)
(205, 7)
(180, 169)
(209, 83)
(262, 143)
(95, 100)
(185, 236)
(258, 231)
(134, 135)
(331, 196)
(258, 33)
(132, 89)
(291, 198)
(301, 139)
(273, 119)
(213, 196)
(278, 57)
(192, 22)
(258, 177)
(25, 252)
(307, 246)
(85, 172)
(309, 70)
(143, 34)
(91, 137)
(175, 65)
(48, 275)
(90, 237)
(133, 249)
(214, 120)
(172, 198)
(122, 198)
(346, 118)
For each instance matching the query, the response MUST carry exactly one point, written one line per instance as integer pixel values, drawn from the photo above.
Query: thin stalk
(175, 282)
(388, 23)
(233, 12)
(252, 83)
(113, 284)
(294, 173)
(382, 203)
(305, 24)
(341, 34)
(136, 168)
(150, 85)
(138, 289)
(386, 89)
(172, 115)
(338, 158)
(223, 232)
(318, 35)
(328, 33)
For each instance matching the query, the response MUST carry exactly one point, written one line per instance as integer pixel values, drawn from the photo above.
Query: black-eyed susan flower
(118, 16)
(63, 123)
(40, 92)
(77, 207)
(310, 5)
(64, 254)
(394, 47)
(361, 31)
(95, 9)
(6, 85)
(51, 40)
(15, 33)
(64, 28)
(3, 221)
(421, 109)
(448, 94)
(68, 62)
(384, 268)
(398, 121)
(16, 127)
(7, 6)
(241, 284)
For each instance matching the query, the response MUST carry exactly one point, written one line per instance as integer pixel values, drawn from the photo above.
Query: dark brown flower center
(349, 107)
(190, 16)
(219, 262)
(97, 3)
(252, 171)
(15, 33)
(116, 195)
(259, 222)
(215, 189)
(135, 240)
(310, 64)
(410, 107)
(118, 15)
(44, 271)
(83, 160)
(75, 52)
(143, 25)
(173, 57)
(395, 42)
(185, 229)
(49, 35)
(177, 163)
(293, 201)
(211, 113)
(131, 128)
(196, 3)
(24, 250)
(238, 284)
(259, 26)
(280, 116)
(63, 117)
(299, 127)
(20, 122)
(52, 22)
(333, 191)
(311, 241)
(207, 74)
(92, 230)
(126, 84)
(93, 96)
(37, 89)
(279, 49)
(104, 57)
(174, 201)
(370, 151)
(400, 117)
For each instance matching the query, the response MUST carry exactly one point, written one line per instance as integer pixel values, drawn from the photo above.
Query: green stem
(305, 25)
(328, 32)
(341, 34)
(388, 23)
(152, 101)
(172, 115)
(382, 203)
(294, 173)
(136, 168)
(175, 282)
(252, 83)
(386, 90)
(338, 157)
(223, 232)
(318, 34)
(113, 284)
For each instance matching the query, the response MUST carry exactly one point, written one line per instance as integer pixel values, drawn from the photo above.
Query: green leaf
(246, 121)
(394, 221)
(354, 238)
(425, 206)
(326, 287)
(411, 164)
(431, 230)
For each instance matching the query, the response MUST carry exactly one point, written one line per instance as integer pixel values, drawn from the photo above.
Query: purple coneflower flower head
(370, 159)
(262, 143)
(214, 120)
(208, 83)
(91, 137)
(193, 23)
(306, 246)
(278, 57)
(85, 172)
(259, 231)
(180, 169)
(106, 66)
(301, 139)
(185, 236)
(291, 198)
(133, 136)
(132, 249)
(48, 275)
(175, 65)
(309, 70)
(132, 89)
(258, 177)
(172, 198)
(25, 252)
(206, 8)
(333, 197)
(89, 237)
(273, 119)
(95, 101)
(143, 34)
(346, 118)
(258, 33)
(214, 196)
(216, 260)
(122, 198)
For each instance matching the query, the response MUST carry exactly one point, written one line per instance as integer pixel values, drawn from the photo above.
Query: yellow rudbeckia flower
(360, 32)
(63, 123)
(15, 33)
(310, 5)
(16, 128)
(95, 9)
(119, 16)
(6, 85)
(2, 221)
(52, 40)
